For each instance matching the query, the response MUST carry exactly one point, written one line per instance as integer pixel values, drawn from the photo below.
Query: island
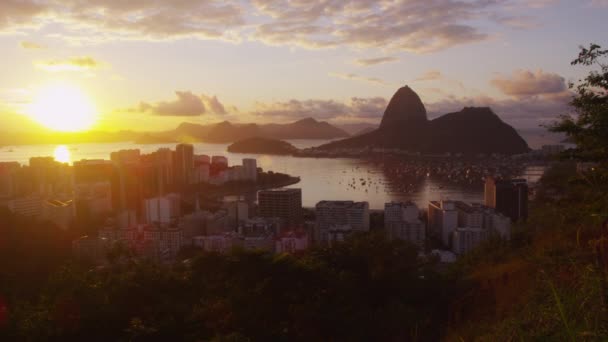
(260, 145)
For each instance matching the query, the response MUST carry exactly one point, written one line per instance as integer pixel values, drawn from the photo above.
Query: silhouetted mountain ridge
(225, 132)
(405, 126)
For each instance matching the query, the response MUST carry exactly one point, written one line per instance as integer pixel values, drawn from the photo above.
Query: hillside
(549, 282)
(225, 132)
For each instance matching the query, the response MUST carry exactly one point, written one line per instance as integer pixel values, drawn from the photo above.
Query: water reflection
(376, 181)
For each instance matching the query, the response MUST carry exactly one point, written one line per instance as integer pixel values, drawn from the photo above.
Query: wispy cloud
(375, 60)
(79, 63)
(31, 45)
(431, 75)
(354, 77)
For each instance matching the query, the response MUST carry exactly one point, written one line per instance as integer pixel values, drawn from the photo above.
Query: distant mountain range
(223, 132)
(405, 126)
(357, 128)
(226, 132)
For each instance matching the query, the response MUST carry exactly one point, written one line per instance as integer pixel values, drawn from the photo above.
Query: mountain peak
(306, 121)
(472, 130)
(404, 108)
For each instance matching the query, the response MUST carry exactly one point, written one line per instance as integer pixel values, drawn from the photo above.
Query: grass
(546, 284)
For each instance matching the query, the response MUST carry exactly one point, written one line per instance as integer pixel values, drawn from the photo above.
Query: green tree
(588, 127)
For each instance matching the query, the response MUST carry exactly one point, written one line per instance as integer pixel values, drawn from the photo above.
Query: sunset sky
(151, 64)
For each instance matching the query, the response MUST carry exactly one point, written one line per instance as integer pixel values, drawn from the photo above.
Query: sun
(62, 154)
(62, 107)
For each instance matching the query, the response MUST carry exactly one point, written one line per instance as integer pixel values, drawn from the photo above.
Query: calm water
(321, 178)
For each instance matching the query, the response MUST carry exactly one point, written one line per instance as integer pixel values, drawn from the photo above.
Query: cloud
(31, 45)
(418, 26)
(119, 19)
(528, 83)
(431, 75)
(354, 77)
(356, 109)
(214, 104)
(415, 26)
(526, 112)
(375, 61)
(82, 63)
(18, 14)
(186, 104)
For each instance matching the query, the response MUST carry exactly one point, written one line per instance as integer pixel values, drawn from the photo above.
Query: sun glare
(62, 154)
(63, 107)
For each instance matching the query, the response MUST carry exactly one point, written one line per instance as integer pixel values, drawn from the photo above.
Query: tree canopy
(588, 126)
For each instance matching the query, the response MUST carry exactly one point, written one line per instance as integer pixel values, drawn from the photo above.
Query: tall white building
(238, 211)
(61, 213)
(337, 219)
(163, 209)
(26, 206)
(401, 221)
(442, 220)
(202, 159)
(250, 169)
(479, 216)
(8, 173)
(201, 173)
(216, 223)
(336, 213)
(96, 197)
(465, 239)
(163, 242)
(471, 216)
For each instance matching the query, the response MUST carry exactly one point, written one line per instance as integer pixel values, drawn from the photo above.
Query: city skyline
(147, 66)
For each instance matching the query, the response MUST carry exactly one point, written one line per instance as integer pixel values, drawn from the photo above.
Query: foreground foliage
(365, 289)
(549, 283)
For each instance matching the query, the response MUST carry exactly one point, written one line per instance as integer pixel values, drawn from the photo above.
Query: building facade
(285, 203)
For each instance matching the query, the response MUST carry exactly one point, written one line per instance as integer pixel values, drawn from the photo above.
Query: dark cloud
(527, 83)
(375, 61)
(186, 104)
